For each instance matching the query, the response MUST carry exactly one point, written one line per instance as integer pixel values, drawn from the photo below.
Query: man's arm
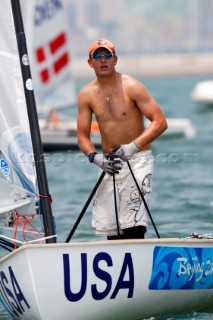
(84, 124)
(151, 110)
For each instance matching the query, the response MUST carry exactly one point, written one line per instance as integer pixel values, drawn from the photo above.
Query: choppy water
(182, 200)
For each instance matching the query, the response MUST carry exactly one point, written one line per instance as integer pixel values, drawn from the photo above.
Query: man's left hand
(126, 151)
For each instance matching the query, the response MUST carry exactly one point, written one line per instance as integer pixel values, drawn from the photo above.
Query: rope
(197, 236)
(25, 222)
(47, 196)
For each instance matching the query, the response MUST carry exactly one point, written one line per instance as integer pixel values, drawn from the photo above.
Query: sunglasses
(98, 56)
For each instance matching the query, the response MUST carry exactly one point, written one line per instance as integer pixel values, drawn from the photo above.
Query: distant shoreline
(166, 65)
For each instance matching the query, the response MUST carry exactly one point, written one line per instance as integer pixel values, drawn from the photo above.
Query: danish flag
(52, 57)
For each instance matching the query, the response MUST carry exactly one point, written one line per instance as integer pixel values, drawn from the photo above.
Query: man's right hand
(111, 164)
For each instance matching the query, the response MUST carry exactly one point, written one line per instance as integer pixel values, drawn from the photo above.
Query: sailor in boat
(52, 120)
(119, 103)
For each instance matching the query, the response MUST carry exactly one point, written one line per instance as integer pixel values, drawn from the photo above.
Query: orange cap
(101, 43)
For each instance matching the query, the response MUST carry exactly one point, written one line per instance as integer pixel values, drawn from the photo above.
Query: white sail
(48, 45)
(17, 178)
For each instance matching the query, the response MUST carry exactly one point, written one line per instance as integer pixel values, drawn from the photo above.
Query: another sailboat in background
(49, 48)
(202, 93)
(64, 135)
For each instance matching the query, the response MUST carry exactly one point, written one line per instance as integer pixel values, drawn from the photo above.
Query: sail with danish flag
(49, 48)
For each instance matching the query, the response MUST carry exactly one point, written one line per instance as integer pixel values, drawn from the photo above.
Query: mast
(45, 198)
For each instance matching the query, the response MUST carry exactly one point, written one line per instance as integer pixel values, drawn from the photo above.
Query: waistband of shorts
(140, 154)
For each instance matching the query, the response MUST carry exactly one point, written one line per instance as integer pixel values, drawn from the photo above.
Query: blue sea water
(182, 200)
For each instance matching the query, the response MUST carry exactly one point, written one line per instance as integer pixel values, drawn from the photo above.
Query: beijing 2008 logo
(4, 168)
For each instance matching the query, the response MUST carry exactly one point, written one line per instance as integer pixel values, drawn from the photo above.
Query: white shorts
(130, 207)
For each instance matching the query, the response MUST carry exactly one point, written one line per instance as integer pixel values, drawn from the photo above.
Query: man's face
(103, 64)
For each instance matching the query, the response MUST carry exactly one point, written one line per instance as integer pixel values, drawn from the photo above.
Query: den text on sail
(47, 10)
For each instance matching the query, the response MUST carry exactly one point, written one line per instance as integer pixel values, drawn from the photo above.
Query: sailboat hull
(108, 280)
(65, 136)
(203, 93)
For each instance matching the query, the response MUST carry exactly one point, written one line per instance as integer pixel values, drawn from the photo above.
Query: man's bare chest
(110, 110)
(115, 109)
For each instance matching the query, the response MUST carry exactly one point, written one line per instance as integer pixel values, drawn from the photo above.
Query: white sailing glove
(126, 151)
(109, 164)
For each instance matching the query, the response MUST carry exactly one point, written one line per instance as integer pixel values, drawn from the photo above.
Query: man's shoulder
(130, 81)
(87, 87)
(86, 93)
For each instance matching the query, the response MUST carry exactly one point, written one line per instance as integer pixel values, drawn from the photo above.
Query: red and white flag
(52, 57)
(49, 49)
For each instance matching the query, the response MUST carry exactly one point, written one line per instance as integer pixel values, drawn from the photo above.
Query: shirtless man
(119, 103)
